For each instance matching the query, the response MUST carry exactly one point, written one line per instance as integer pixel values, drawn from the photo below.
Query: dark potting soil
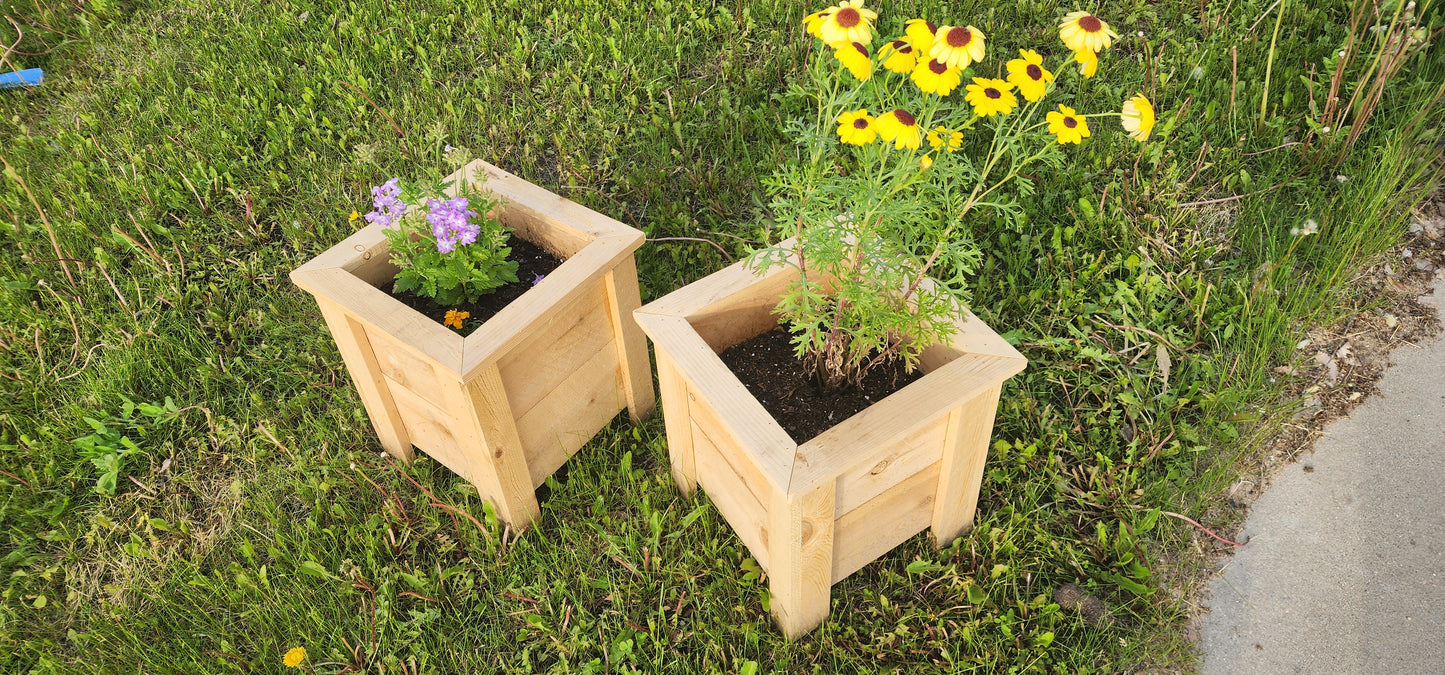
(533, 262)
(788, 391)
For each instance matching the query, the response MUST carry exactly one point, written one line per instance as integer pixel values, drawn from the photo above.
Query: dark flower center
(992, 93)
(1090, 24)
(1035, 72)
(860, 123)
(905, 117)
(902, 47)
(937, 67)
(932, 28)
(849, 17)
(861, 49)
(958, 37)
(1070, 122)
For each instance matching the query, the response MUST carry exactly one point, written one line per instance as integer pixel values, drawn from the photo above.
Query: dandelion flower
(920, 34)
(294, 657)
(941, 137)
(990, 97)
(856, 128)
(935, 78)
(1082, 30)
(925, 162)
(899, 56)
(454, 318)
(1088, 62)
(353, 217)
(814, 22)
(900, 128)
(958, 46)
(1067, 125)
(854, 57)
(1138, 117)
(1028, 75)
(849, 22)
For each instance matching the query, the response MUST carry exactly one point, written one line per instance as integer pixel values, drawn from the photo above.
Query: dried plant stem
(44, 219)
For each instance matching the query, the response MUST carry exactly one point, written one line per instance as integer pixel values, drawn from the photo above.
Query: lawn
(184, 155)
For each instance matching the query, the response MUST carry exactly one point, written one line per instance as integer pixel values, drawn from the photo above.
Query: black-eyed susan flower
(857, 127)
(454, 318)
(294, 657)
(1138, 117)
(920, 33)
(1028, 74)
(900, 128)
(814, 22)
(933, 77)
(957, 46)
(849, 22)
(854, 57)
(899, 56)
(1082, 30)
(1088, 62)
(1068, 126)
(943, 138)
(990, 97)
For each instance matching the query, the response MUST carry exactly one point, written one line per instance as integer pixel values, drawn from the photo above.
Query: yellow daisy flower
(957, 46)
(454, 318)
(856, 128)
(1088, 62)
(1067, 125)
(848, 23)
(294, 657)
(1082, 30)
(900, 128)
(353, 217)
(990, 97)
(920, 32)
(854, 56)
(1138, 117)
(925, 162)
(1029, 75)
(899, 56)
(814, 22)
(935, 78)
(944, 138)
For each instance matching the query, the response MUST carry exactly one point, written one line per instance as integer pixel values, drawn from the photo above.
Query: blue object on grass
(25, 78)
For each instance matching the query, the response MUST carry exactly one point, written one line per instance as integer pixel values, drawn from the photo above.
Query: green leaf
(921, 566)
(314, 569)
(976, 595)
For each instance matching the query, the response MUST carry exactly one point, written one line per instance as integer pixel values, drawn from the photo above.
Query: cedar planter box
(505, 406)
(812, 514)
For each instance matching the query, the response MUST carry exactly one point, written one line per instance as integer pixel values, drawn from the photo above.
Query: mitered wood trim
(801, 550)
(677, 420)
(965, 452)
(361, 247)
(879, 525)
(371, 386)
(623, 297)
(858, 439)
(727, 282)
(375, 309)
(485, 421)
(545, 203)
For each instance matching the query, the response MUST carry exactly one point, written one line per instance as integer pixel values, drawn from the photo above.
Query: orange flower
(454, 318)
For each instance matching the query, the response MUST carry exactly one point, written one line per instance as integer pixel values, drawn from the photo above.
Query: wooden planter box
(505, 406)
(812, 514)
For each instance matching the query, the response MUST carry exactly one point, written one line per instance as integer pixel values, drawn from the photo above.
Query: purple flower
(387, 204)
(450, 223)
(537, 278)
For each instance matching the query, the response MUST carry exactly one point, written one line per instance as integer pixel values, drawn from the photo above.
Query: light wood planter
(505, 406)
(812, 514)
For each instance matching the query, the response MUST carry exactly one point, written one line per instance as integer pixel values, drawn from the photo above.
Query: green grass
(188, 154)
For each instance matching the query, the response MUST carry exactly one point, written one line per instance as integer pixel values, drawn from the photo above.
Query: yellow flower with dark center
(900, 128)
(935, 78)
(899, 56)
(294, 657)
(1088, 62)
(454, 318)
(854, 56)
(1067, 125)
(990, 97)
(957, 46)
(849, 22)
(920, 34)
(814, 22)
(856, 127)
(1138, 117)
(941, 137)
(1028, 75)
(1082, 30)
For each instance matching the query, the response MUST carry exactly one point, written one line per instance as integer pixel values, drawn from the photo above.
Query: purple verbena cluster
(450, 223)
(386, 200)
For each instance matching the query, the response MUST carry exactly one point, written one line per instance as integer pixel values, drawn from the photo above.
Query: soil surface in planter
(533, 262)
(788, 391)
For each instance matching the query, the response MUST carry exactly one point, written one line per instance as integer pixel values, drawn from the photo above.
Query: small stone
(1309, 468)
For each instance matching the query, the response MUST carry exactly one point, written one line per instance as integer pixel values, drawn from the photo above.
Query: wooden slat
(719, 286)
(405, 368)
(571, 414)
(675, 417)
(747, 516)
(375, 309)
(355, 348)
(568, 337)
(904, 458)
(571, 225)
(964, 455)
(801, 548)
(484, 420)
(363, 246)
(430, 428)
(623, 298)
(755, 481)
(881, 524)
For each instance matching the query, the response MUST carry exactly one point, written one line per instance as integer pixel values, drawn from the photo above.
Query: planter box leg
(678, 421)
(965, 448)
(622, 298)
(499, 469)
(800, 568)
(355, 350)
